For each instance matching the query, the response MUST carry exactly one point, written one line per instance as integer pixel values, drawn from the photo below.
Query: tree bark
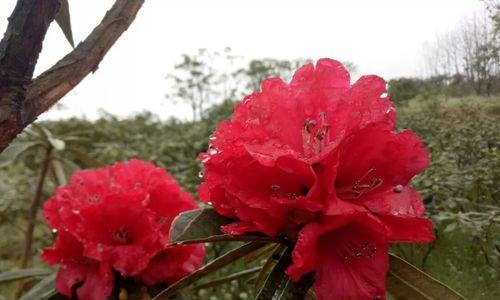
(19, 50)
(48, 88)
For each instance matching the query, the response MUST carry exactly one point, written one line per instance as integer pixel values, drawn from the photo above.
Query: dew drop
(312, 122)
(398, 188)
(384, 95)
(275, 187)
(201, 174)
(212, 151)
(54, 230)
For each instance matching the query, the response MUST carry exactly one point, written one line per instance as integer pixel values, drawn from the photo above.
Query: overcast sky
(382, 37)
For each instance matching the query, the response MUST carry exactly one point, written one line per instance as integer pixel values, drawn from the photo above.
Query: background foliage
(461, 187)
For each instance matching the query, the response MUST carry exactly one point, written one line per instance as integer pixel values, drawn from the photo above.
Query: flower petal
(352, 264)
(173, 263)
(401, 211)
(95, 280)
(376, 153)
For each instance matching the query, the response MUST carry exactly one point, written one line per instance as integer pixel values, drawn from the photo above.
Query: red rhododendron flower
(118, 218)
(319, 160)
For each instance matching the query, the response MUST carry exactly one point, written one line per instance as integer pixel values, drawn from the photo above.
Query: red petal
(173, 263)
(377, 152)
(352, 264)
(401, 211)
(96, 280)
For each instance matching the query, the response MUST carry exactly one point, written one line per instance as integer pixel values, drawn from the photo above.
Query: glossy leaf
(63, 19)
(209, 268)
(268, 265)
(404, 281)
(203, 226)
(23, 274)
(229, 278)
(277, 284)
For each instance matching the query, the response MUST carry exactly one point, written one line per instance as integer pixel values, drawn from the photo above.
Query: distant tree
(404, 89)
(471, 51)
(198, 82)
(260, 69)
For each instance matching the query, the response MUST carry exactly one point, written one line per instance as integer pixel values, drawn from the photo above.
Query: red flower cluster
(319, 160)
(117, 219)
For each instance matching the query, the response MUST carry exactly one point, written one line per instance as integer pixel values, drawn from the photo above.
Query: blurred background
(183, 65)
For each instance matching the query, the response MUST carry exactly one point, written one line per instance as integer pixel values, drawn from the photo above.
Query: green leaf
(196, 224)
(209, 268)
(267, 267)
(404, 281)
(23, 274)
(279, 286)
(45, 289)
(59, 173)
(277, 283)
(262, 252)
(63, 19)
(228, 278)
(12, 152)
(203, 226)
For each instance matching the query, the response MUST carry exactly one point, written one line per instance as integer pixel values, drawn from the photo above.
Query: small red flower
(118, 218)
(319, 160)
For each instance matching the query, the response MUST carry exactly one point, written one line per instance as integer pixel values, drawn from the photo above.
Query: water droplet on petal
(54, 230)
(398, 188)
(275, 187)
(201, 174)
(384, 95)
(212, 151)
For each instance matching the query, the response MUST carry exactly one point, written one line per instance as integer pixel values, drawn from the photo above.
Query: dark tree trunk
(19, 50)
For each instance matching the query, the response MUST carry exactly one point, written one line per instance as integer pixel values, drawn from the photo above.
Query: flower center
(361, 186)
(315, 137)
(365, 250)
(277, 192)
(94, 198)
(122, 236)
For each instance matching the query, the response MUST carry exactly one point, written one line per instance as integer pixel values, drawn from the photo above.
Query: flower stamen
(360, 187)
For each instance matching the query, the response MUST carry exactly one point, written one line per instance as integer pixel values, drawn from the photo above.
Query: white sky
(382, 37)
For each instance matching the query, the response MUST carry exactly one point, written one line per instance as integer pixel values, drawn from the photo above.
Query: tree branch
(19, 51)
(56, 82)
(53, 84)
